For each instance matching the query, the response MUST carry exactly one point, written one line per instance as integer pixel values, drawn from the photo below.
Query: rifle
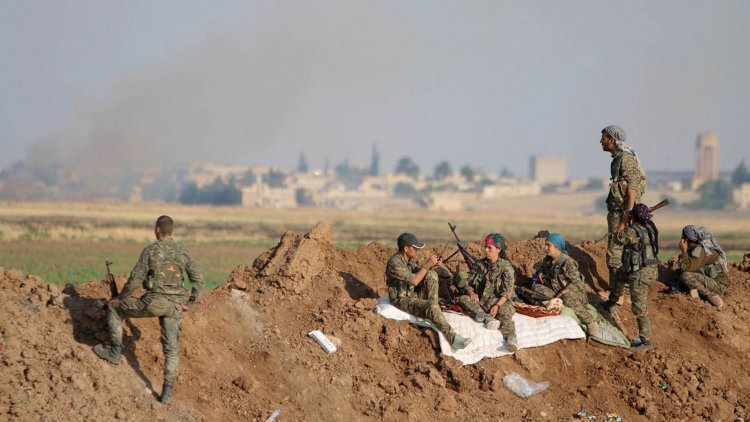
(111, 279)
(531, 295)
(663, 203)
(470, 261)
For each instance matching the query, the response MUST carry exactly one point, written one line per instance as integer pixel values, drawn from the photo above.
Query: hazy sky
(486, 83)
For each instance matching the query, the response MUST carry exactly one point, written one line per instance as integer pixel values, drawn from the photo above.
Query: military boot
(492, 324)
(460, 342)
(110, 354)
(717, 301)
(694, 294)
(592, 328)
(511, 343)
(166, 393)
(609, 307)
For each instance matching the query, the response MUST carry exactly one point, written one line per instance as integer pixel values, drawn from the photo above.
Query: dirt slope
(245, 351)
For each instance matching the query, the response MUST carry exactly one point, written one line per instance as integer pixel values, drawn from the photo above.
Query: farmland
(69, 242)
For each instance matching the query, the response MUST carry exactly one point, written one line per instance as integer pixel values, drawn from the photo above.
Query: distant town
(365, 187)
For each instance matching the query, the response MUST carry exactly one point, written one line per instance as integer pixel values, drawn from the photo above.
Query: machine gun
(471, 262)
(111, 280)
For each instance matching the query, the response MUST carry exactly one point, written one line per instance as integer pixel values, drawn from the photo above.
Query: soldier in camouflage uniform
(628, 184)
(489, 291)
(640, 242)
(703, 265)
(160, 269)
(559, 277)
(414, 288)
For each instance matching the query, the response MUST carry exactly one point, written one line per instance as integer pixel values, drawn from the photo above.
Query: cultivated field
(69, 242)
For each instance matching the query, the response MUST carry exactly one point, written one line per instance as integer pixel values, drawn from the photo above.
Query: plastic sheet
(523, 387)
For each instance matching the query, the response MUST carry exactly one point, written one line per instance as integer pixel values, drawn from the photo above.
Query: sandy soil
(245, 351)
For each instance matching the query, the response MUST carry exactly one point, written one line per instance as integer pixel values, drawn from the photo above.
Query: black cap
(408, 239)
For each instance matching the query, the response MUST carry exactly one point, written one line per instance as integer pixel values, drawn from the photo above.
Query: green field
(69, 242)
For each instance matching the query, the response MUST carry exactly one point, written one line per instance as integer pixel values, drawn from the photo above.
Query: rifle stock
(111, 279)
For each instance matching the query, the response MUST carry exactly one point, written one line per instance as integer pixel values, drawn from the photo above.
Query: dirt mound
(245, 351)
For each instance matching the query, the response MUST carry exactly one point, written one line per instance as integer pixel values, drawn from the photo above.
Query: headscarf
(559, 242)
(496, 240)
(699, 235)
(618, 134)
(641, 213)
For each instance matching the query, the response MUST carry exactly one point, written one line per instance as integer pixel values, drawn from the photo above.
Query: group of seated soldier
(487, 290)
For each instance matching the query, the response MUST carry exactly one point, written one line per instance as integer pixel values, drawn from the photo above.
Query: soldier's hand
(620, 227)
(432, 260)
(185, 308)
(474, 296)
(493, 310)
(114, 301)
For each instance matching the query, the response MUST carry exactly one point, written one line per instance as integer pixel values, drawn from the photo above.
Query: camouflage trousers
(170, 316)
(575, 299)
(425, 305)
(504, 314)
(639, 282)
(614, 251)
(705, 285)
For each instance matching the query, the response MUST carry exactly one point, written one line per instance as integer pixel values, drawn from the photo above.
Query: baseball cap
(408, 239)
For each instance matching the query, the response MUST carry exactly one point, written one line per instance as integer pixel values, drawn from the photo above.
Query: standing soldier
(414, 288)
(703, 265)
(488, 291)
(559, 277)
(625, 190)
(160, 268)
(640, 243)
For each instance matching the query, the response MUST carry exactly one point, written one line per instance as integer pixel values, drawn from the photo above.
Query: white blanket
(531, 332)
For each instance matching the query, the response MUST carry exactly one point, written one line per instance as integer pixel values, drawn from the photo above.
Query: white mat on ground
(531, 332)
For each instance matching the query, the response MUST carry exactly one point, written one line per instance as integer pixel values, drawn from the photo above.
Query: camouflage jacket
(697, 261)
(151, 263)
(557, 275)
(491, 282)
(625, 174)
(398, 275)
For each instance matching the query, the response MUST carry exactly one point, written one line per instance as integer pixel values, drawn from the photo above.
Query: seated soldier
(639, 270)
(414, 289)
(488, 291)
(559, 278)
(703, 265)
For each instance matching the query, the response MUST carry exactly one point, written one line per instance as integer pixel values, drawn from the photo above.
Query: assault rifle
(531, 296)
(111, 280)
(471, 262)
(663, 203)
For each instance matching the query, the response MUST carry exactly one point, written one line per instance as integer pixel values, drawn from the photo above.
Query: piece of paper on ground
(531, 332)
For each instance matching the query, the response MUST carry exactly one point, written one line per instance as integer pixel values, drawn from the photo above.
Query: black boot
(110, 354)
(166, 393)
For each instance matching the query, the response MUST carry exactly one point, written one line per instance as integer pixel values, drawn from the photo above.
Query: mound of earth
(245, 351)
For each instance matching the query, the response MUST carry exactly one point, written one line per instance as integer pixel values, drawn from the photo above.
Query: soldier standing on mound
(160, 268)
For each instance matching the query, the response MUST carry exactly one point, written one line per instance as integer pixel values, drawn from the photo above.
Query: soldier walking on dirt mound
(489, 291)
(160, 268)
(628, 184)
(640, 243)
(414, 288)
(559, 277)
(703, 265)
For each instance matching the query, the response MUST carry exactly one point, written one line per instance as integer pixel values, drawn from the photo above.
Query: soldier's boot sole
(694, 294)
(108, 354)
(492, 324)
(717, 301)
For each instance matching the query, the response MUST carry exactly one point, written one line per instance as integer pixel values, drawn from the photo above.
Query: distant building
(706, 159)
(742, 196)
(548, 170)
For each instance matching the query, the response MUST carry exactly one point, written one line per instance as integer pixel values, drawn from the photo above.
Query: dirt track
(245, 351)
